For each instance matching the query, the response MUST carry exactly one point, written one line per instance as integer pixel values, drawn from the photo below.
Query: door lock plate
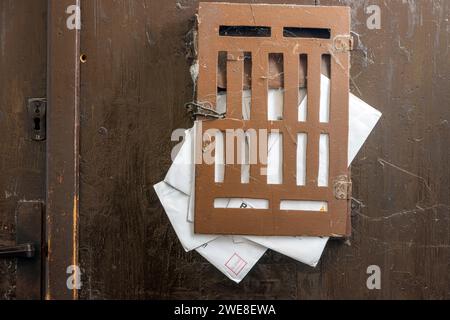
(37, 115)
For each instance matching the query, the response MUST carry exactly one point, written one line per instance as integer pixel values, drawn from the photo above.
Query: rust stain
(49, 254)
(75, 241)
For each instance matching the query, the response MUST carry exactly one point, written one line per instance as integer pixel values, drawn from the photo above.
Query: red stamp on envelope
(236, 264)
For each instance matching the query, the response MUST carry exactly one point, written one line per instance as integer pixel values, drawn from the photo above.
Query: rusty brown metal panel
(22, 76)
(273, 221)
(134, 85)
(62, 150)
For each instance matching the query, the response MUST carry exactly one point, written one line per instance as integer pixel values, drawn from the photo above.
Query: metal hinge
(19, 251)
(343, 43)
(205, 110)
(343, 188)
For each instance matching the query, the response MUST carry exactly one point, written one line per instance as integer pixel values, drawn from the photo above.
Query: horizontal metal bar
(20, 251)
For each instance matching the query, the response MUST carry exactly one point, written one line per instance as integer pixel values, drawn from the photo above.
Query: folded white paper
(181, 173)
(233, 258)
(175, 204)
(362, 117)
(236, 255)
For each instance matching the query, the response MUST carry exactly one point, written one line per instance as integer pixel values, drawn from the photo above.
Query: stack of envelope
(235, 256)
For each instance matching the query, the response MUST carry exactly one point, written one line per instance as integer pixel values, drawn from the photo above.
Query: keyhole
(37, 124)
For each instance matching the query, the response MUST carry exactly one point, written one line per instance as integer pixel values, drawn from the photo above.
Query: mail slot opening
(225, 60)
(245, 31)
(325, 88)
(276, 80)
(296, 32)
(302, 143)
(315, 206)
(221, 103)
(324, 160)
(239, 203)
(275, 159)
(303, 87)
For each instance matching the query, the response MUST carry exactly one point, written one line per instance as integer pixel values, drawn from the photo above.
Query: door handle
(28, 248)
(27, 251)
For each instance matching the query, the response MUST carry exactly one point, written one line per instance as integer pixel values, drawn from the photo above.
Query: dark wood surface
(63, 128)
(133, 88)
(23, 47)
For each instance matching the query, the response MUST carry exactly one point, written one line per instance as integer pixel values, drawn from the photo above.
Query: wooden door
(23, 63)
(133, 88)
(116, 91)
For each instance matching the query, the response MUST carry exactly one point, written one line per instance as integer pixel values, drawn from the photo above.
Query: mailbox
(301, 37)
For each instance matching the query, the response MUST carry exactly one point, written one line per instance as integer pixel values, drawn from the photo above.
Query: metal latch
(37, 114)
(19, 251)
(28, 250)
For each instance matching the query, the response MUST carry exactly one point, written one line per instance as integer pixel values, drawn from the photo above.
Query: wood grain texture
(401, 177)
(133, 88)
(23, 42)
(63, 128)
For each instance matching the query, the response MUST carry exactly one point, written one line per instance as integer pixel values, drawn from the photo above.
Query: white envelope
(175, 204)
(362, 120)
(181, 173)
(308, 250)
(235, 259)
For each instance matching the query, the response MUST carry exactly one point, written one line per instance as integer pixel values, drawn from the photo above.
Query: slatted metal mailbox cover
(255, 32)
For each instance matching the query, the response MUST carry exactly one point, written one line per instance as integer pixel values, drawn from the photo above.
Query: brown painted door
(133, 88)
(23, 63)
(116, 91)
